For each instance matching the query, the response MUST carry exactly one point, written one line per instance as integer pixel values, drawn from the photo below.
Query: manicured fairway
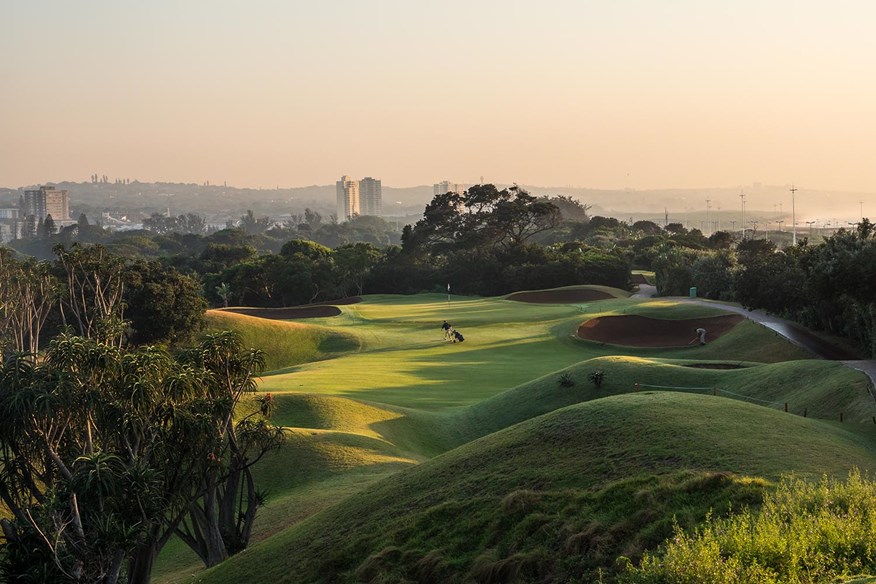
(405, 361)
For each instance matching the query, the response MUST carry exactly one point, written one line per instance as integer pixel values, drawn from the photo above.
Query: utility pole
(709, 215)
(742, 196)
(794, 214)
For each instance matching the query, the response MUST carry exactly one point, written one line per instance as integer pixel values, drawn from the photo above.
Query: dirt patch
(570, 296)
(638, 279)
(641, 331)
(290, 313)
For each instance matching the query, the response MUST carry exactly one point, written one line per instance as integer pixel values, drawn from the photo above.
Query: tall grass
(804, 533)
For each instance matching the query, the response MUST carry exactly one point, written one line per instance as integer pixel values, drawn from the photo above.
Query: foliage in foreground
(804, 533)
(105, 453)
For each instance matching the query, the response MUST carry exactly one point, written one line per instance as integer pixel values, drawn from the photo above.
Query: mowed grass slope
(284, 342)
(417, 396)
(550, 496)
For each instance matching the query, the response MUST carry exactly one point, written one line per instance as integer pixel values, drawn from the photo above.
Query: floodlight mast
(742, 196)
(794, 214)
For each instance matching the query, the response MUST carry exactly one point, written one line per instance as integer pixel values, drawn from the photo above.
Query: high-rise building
(370, 196)
(445, 186)
(45, 201)
(348, 198)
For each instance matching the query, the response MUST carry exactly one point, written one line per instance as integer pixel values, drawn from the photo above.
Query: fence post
(786, 407)
(637, 386)
(805, 411)
(714, 391)
(841, 416)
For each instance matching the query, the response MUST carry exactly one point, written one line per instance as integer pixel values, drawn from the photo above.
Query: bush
(566, 380)
(804, 533)
(597, 377)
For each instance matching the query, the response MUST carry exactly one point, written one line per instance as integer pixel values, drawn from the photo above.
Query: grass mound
(554, 496)
(285, 343)
(568, 295)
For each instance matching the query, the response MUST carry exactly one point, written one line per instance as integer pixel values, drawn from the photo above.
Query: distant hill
(769, 205)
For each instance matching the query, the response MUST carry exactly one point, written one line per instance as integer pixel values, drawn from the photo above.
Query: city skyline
(636, 95)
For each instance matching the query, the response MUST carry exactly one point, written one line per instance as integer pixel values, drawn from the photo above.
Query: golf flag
(448, 288)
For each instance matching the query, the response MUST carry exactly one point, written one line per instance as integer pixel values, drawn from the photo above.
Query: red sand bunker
(569, 296)
(641, 331)
(320, 310)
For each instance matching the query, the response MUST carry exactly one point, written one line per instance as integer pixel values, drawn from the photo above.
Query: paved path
(645, 291)
(800, 336)
(795, 333)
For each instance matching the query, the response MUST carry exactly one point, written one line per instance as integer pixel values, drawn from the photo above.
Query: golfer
(701, 337)
(448, 331)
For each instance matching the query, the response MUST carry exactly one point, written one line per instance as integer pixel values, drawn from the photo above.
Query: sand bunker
(320, 310)
(641, 331)
(568, 296)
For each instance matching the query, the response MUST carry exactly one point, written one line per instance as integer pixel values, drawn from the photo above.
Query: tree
(252, 225)
(49, 227)
(518, 216)
(27, 296)
(570, 209)
(220, 521)
(647, 227)
(161, 304)
(83, 220)
(355, 262)
(483, 218)
(103, 450)
(92, 301)
(223, 291)
(159, 223)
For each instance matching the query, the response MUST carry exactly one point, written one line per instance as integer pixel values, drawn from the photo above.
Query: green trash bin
(693, 291)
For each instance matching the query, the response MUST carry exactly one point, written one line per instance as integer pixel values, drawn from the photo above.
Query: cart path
(800, 336)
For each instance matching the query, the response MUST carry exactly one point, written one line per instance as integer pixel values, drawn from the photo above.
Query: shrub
(566, 380)
(805, 533)
(597, 377)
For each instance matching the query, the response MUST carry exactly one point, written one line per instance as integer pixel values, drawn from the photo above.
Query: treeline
(483, 242)
(95, 293)
(830, 286)
(164, 236)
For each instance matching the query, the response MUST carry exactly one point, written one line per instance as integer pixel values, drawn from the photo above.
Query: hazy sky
(642, 94)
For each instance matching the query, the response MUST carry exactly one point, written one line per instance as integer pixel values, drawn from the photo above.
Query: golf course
(571, 427)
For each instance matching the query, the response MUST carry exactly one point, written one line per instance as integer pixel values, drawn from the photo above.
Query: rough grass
(558, 495)
(804, 533)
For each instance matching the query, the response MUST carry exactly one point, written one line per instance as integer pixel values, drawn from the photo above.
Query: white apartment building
(370, 196)
(47, 200)
(348, 198)
(446, 186)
